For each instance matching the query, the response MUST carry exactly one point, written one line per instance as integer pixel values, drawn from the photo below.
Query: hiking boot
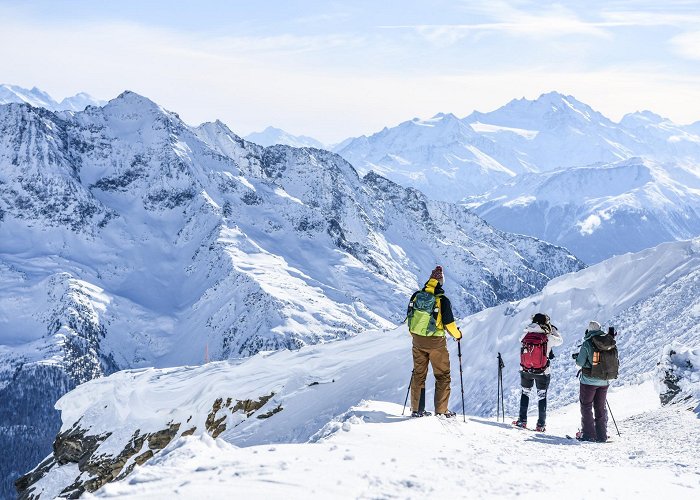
(520, 423)
(582, 437)
(447, 414)
(420, 413)
(539, 428)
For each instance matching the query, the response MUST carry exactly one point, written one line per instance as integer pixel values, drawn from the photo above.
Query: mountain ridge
(38, 98)
(551, 132)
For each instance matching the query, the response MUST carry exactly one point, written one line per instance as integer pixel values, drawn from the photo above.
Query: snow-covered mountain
(449, 158)
(39, 98)
(442, 156)
(271, 136)
(318, 396)
(131, 239)
(600, 210)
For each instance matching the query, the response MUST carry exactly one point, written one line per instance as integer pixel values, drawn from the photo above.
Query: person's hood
(593, 333)
(433, 286)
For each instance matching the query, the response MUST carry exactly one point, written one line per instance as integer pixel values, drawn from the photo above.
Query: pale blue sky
(335, 69)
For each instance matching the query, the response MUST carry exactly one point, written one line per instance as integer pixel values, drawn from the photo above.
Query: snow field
(374, 452)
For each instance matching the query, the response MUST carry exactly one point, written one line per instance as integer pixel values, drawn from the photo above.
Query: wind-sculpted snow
(131, 239)
(599, 211)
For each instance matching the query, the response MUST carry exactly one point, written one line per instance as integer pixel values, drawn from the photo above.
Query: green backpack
(422, 314)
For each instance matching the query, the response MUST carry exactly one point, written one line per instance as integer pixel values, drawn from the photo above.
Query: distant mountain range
(601, 210)
(552, 168)
(449, 158)
(271, 136)
(39, 98)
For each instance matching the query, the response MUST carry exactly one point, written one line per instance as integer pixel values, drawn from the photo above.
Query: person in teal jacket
(593, 391)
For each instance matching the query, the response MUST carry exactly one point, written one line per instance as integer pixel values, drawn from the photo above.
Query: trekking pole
(461, 381)
(613, 417)
(407, 391)
(500, 406)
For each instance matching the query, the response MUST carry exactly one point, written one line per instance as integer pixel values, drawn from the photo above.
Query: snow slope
(376, 453)
(600, 210)
(40, 99)
(449, 158)
(652, 297)
(272, 135)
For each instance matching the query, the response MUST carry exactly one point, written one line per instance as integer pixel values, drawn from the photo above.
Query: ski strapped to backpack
(533, 352)
(422, 314)
(605, 362)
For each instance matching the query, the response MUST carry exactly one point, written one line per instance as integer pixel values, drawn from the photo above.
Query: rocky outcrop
(78, 446)
(677, 374)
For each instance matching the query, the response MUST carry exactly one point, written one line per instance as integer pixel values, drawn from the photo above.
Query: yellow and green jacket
(445, 321)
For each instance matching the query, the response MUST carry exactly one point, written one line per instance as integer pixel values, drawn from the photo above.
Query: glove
(574, 355)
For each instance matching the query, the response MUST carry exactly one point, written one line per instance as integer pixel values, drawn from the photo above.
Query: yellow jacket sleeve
(453, 330)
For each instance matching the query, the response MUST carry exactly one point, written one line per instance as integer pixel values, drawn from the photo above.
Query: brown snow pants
(431, 350)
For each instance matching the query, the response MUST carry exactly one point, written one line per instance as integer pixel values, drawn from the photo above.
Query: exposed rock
(271, 412)
(215, 426)
(159, 440)
(249, 406)
(678, 377)
(77, 446)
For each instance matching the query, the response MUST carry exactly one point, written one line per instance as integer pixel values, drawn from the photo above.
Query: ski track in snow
(377, 453)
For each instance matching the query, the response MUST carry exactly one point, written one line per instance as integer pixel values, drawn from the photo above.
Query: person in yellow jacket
(429, 317)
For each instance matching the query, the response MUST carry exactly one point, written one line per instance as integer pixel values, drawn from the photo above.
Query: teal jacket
(585, 358)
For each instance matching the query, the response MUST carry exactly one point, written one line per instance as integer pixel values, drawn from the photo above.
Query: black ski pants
(541, 381)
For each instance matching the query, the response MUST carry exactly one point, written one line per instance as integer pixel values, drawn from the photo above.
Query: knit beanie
(437, 274)
(593, 325)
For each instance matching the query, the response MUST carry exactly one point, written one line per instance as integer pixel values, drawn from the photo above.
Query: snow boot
(420, 413)
(582, 437)
(447, 414)
(539, 428)
(520, 424)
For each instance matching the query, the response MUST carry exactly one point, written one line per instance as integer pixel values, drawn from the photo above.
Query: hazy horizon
(331, 71)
